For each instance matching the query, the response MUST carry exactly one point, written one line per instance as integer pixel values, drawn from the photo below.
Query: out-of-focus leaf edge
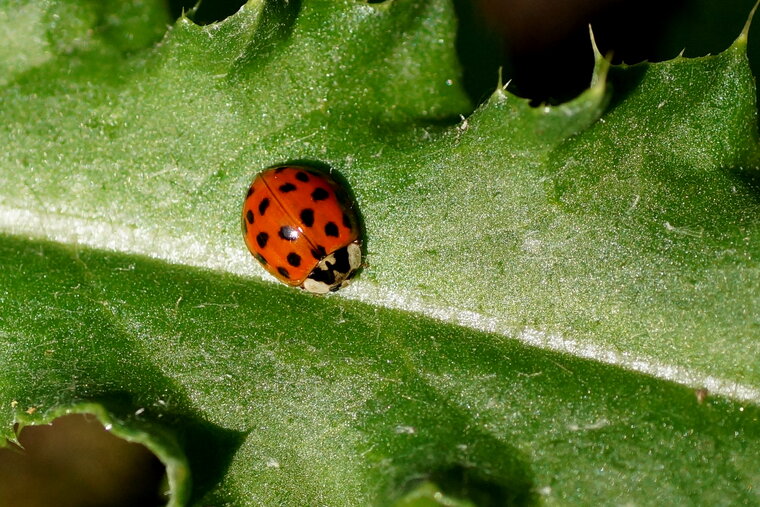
(155, 439)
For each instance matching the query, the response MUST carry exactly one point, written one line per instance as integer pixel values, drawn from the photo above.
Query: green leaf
(545, 287)
(37, 33)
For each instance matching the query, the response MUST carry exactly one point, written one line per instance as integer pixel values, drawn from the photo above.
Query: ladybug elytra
(299, 224)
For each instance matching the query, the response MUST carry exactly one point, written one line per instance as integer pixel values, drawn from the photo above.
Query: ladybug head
(334, 271)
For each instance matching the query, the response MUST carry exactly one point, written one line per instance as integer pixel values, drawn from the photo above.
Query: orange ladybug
(299, 224)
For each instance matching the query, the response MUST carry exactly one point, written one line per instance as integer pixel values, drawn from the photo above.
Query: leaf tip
(501, 86)
(743, 36)
(601, 65)
(594, 47)
(192, 10)
(187, 14)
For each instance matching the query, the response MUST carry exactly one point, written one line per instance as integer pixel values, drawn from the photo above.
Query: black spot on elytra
(283, 272)
(331, 229)
(261, 259)
(341, 260)
(294, 259)
(288, 233)
(319, 252)
(307, 217)
(250, 191)
(302, 176)
(323, 275)
(249, 216)
(287, 187)
(279, 170)
(263, 205)
(320, 194)
(261, 239)
(346, 221)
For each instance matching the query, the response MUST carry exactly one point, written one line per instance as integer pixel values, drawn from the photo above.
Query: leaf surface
(546, 286)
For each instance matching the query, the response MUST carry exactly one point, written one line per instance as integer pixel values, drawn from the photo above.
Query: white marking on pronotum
(190, 251)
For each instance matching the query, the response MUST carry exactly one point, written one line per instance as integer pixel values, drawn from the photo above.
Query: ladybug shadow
(346, 195)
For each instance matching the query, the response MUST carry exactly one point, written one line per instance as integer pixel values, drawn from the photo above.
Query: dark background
(544, 45)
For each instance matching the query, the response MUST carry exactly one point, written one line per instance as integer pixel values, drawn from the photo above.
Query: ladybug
(299, 224)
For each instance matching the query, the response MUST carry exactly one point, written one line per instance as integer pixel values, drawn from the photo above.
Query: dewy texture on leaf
(504, 248)
(270, 408)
